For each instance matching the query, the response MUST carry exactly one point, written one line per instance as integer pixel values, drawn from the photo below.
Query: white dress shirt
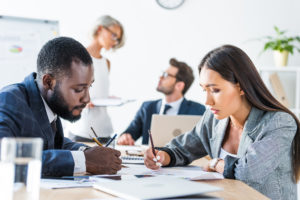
(175, 105)
(78, 156)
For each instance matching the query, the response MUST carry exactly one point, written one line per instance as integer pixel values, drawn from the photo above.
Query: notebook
(165, 127)
(132, 159)
(159, 187)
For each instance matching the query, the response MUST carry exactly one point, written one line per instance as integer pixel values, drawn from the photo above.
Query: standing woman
(248, 133)
(107, 33)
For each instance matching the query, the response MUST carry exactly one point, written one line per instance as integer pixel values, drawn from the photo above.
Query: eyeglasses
(166, 74)
(114, 36)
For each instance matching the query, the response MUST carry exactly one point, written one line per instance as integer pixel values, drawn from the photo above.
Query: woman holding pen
(249, 135)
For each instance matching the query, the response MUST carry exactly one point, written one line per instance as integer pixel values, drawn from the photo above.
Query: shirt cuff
(229, 167)
(79, 162)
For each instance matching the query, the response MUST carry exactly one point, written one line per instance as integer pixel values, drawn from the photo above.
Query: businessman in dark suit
(60, 88)
(173, 83)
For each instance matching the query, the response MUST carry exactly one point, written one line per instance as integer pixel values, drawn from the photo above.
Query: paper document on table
(110, 101)
(132, 148)
(57, 183)
(188, 172)
(132, 169)
(112, 198)
(192, 173)
(195, 197)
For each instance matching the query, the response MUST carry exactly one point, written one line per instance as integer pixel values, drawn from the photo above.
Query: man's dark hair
(56, 56)
(185, 74)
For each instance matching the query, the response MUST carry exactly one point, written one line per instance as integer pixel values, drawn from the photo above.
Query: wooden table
(233, 190)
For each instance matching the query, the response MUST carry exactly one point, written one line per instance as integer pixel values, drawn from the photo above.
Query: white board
(20, 42)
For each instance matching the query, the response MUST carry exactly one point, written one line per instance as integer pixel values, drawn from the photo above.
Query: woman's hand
(162, 159)
(218, 168)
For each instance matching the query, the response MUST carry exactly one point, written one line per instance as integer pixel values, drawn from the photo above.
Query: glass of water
(27, 167)
(7, 168)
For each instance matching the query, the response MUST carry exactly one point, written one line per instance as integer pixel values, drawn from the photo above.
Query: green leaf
(289, 48)
(281, 42)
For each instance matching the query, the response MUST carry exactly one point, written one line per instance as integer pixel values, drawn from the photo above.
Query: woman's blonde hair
(107, 21)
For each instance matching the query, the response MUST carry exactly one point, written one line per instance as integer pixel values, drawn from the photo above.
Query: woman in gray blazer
(249, 134)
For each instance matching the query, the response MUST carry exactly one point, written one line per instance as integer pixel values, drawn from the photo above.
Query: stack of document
(133, 154)
(132, 159)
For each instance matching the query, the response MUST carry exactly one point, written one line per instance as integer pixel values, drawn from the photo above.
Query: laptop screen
(165, 127)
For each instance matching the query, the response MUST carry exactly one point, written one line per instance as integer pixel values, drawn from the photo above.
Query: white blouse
(224, 153)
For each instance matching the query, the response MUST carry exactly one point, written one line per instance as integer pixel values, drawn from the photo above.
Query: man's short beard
(59, 106)
(165, 91)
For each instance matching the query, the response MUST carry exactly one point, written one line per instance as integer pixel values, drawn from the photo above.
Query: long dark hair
(235, 66)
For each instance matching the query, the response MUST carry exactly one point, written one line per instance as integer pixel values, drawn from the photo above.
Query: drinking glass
(26, 153)
(7, 168)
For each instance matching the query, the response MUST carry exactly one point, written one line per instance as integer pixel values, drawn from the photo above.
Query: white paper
(110, 102)
(113, 198)
(135, 170)
(131, 148)
(56, 183)
(189, 172)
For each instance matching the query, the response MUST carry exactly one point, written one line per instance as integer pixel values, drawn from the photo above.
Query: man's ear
(48, 82)
(180, 85)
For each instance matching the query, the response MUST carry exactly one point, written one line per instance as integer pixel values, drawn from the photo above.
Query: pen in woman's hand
(156, 158)
(152, 145)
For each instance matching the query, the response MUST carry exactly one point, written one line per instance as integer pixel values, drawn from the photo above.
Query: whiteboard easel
(20, 42)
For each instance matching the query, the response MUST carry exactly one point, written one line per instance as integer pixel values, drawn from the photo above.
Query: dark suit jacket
(22, 114)
(142, 121)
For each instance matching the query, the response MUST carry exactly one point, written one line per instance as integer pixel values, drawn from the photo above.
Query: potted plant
(281, 45)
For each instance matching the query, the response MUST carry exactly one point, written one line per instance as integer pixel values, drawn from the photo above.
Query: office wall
(155, 34)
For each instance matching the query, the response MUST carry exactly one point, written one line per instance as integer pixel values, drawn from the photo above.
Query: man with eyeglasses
(173, 83)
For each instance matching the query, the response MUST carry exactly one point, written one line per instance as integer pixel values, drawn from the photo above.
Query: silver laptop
(165, 127)
(159, 187)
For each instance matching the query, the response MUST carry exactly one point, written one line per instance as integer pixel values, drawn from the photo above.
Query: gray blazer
(264, 153)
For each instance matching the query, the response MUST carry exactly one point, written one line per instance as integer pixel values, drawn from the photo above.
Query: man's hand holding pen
(102, 160)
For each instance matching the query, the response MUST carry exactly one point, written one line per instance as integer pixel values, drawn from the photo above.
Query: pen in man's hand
(97, 141)
(94, 132)
(95, 138)
(110, 140)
